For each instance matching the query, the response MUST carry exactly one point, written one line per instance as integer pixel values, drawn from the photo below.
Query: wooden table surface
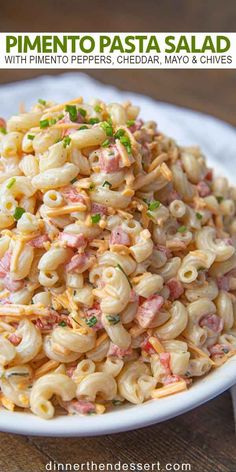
(204, 438)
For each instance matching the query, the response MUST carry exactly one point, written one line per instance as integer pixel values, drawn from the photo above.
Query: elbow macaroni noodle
(117, 260)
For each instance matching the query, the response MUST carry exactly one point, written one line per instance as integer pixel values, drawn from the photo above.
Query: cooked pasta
(117, 261)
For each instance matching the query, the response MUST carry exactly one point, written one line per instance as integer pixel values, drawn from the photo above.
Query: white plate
(218, 141)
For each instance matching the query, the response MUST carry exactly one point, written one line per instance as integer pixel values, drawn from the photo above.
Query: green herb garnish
(219, 199)
(130, 123)
(153, 205)
(107, 183)
(116, 402)
(122, 270)
(97, 108)
(52, 121)
(113, 320)
(95, 218)
(72, 110)
(199, 216)
(93, 121)
(62, 323)
(3, 130)
(119, 133)
(82, 112)
(44, 123)
(18, 213)
(42, 102)
(182, 229)
(91, 321)
(106, 143)
(31, 137)
(66, 141)
(126, 142)
(73, 180)
(107, 127)
(11, 182)
(91, 187)
(83, 127)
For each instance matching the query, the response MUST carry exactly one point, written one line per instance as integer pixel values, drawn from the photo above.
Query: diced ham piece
(68, 131)
(148, 310)
(12, 285)
(228, 241)
(176, 289)
(169, 379)
(133, 296)
(14, 339)
(117, 351)
(173, 195)
(203, 189)
(5, 263)
(219, 350)
(73, 240)
(94, 311)
(119, 236)
(136, 126)
(77, 262)
(165, 362)
(82, 407)
(147, 347)
(98, 208)
(39, 241)
(109, 159)
(223, 283)
(70, 193)
(209, 175)
(2, 123)
(165, 250)
(213, 322)
(52, 320)
(70, 371)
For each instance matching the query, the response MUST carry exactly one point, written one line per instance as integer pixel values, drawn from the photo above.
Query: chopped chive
(75, 321)
(122, 270)
(72, 110)
(96, 218)
(66, 141)
(44, 123)
(130, 123)
(225, 350)
(106, 143)
(182, 229)
(52, 121)
(116, 402)
(113, 320)
(41, 101)
(107, 127)
(30, 136)
(20, 374)
(199, 216)
(93, 121)
(91, 321)
(11, 182)
(83, 127)
(91, 187)
(119, 133)
(153, 205)
(97, 108)
(3, 130)
(126, 142)
(82, 112)
(107, 183)
(62, 323)
(60, 117)
(73, 180)
(18, 213)
(219, 199)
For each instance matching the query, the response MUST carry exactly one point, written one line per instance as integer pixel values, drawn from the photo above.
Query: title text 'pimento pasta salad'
(117, 260)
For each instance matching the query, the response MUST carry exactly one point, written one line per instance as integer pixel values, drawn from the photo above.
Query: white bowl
(218, 141)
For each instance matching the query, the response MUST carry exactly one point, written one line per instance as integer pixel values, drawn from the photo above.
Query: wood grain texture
(204, 437)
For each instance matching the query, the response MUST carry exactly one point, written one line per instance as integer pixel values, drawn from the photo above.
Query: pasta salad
(117, 260)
